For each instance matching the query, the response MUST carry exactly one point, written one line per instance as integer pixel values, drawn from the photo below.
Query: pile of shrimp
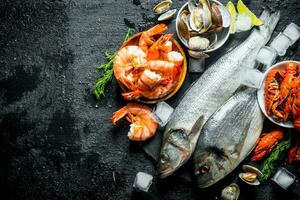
(151, 68)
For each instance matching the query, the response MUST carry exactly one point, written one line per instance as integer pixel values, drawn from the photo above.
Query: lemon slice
(230, 7)
(242, 9)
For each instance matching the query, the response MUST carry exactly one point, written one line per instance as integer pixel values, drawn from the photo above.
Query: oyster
(251, 174)
(250, 177)
(162, 7)
(198, 43)
(207, 20)
(220, 16)
(253, 169)
(200, 19)
(216, 15)
(231, 192)
(195, 19)
(167, 15)
(183, 28)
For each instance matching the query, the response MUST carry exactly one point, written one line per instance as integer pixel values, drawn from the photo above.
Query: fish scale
(234, 129)
(209, 92)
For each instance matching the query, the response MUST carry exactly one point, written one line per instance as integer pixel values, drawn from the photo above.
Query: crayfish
(266, 144)
(294, 154)
(282, 98)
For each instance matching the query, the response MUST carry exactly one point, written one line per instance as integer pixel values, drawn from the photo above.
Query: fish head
(176, 150)
(210, 167)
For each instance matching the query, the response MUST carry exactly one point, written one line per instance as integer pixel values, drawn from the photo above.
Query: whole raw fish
(208, 93)
(227, 137)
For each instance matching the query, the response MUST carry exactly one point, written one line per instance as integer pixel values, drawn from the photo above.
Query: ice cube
(243, 23)
(266, 55)
(143, 181)
(283, 178)
(162, 113)
(281, 43)
(293, 32)
(252, 77)
(196, 65)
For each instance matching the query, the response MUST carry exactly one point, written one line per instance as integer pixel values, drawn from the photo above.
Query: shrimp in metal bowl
(143, 124)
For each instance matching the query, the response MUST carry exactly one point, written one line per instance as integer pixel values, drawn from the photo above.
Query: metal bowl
(133, 40)
(223, 35)
(261, 95)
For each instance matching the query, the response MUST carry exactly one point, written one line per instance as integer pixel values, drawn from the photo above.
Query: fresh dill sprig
(107, 71)
(270, 163)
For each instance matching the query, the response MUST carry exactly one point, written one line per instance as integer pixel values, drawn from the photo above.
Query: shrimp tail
(153, 52)
(119, 114)
(157, 29)
(146, 38)
(131, 95)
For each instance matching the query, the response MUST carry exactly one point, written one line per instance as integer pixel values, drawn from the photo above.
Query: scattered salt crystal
(162, 113)
(143, 181)
(266, 55)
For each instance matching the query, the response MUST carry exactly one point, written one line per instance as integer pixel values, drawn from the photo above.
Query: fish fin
(239, 147)
(197, 126)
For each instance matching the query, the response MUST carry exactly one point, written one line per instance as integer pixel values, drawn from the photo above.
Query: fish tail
(270, 21)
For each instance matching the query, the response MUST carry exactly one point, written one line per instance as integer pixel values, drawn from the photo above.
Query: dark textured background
(56, 140)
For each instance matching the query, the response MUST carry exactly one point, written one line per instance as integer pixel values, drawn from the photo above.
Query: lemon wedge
(230, 7)
(242, 9)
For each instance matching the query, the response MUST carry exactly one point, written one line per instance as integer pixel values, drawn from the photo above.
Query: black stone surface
(56, 140)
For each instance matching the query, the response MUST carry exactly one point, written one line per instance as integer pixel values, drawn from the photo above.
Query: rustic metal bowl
(261, 95)
(133, 40)
(223, 35)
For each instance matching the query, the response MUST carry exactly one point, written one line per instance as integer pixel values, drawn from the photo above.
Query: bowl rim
(208, 50)
(181, 79)
(261, 94)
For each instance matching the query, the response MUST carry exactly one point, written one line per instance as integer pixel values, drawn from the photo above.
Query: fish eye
(202, 170)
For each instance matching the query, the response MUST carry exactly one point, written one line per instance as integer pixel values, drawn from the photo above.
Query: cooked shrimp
(175, 57)
(148, 79)
(147, 39)
(165, 86)
(143, 124)
(129, 58)
(160, 78)
(160, 65)
(160, 91)
(162, 45)
(167, 47)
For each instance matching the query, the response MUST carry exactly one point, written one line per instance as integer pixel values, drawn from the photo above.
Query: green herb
(107, 72)
(270, 163)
